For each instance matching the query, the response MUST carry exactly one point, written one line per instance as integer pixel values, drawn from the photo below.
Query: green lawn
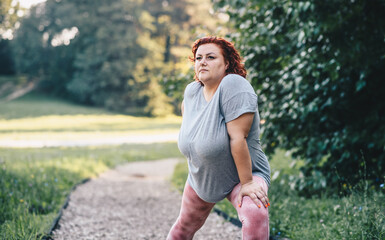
(34, 183)
(36, 117)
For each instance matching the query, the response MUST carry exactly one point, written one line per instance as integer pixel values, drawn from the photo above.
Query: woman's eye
(211, 57)
(198, 58)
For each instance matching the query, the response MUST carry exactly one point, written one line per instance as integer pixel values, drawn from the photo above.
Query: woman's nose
(203, 62)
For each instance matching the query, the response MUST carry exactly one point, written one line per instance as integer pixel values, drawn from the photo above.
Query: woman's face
(210, 65)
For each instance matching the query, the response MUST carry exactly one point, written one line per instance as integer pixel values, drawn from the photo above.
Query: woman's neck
(209, 90)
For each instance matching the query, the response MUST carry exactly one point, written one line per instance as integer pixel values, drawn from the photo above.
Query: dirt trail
(134, 201)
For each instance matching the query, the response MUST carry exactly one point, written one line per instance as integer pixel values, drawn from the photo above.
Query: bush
(317, 67)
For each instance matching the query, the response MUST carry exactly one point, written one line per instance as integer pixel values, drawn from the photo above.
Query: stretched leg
(255, 220)
(193, 214)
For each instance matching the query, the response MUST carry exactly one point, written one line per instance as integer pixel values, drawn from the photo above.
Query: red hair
(230, 54)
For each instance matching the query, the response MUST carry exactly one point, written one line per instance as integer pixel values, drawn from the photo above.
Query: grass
(360, 215)
(37, 117)
(34, 183)
(9, 83)
(36, 105)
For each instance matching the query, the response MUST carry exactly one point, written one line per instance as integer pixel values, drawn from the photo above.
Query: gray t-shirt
(204, 140)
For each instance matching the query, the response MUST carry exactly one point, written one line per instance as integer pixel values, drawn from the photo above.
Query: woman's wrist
(246, 180)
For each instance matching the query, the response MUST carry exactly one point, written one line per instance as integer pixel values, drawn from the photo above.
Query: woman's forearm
(242, 159)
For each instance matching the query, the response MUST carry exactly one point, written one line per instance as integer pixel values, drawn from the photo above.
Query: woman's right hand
(255, 191)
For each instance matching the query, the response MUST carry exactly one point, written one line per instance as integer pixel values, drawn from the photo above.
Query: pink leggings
(194, 211)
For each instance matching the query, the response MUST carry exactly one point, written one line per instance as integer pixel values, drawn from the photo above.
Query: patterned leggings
(194, 211)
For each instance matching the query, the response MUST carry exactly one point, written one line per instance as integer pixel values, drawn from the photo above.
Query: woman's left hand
(255, 192)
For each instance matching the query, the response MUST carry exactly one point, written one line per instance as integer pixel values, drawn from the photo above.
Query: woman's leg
(193, 214)
(255, 220)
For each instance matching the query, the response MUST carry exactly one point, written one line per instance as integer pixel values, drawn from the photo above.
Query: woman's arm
(238, 131)
(182, 107)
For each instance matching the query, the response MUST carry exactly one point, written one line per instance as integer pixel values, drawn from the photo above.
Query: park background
(96, 69)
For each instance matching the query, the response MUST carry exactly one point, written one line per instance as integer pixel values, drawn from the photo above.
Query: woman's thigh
(193, 207)
(193, 214)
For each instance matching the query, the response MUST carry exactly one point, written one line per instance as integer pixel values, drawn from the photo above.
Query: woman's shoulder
(236, 83)
(192, 88)
(234, 77)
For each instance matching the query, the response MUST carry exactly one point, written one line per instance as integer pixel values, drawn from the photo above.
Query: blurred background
(96, 72)
(126, 56)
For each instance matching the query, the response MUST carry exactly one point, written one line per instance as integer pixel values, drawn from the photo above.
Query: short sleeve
(237, 97)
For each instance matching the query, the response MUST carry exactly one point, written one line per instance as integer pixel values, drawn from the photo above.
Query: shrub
(317, 67)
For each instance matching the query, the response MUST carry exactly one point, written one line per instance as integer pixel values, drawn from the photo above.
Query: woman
(220, 138)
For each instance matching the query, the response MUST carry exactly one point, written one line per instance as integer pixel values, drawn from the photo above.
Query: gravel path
(134, 201)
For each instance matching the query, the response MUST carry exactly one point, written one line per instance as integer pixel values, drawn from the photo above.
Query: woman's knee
(255, 220)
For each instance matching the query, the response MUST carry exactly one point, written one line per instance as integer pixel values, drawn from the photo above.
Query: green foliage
(6, 59)
(119, 53)
(30, 56)
(105, 63)
(318, 69)
(102, 63)
(8, 15)
(174, 87)
(361, 215)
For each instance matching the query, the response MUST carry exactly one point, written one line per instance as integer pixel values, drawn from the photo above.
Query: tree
(30, 56)
(8, 15)
(99, 65)
(8, 19)
(6, 60)
(318, 69)
(107, 55)
(122, 55)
